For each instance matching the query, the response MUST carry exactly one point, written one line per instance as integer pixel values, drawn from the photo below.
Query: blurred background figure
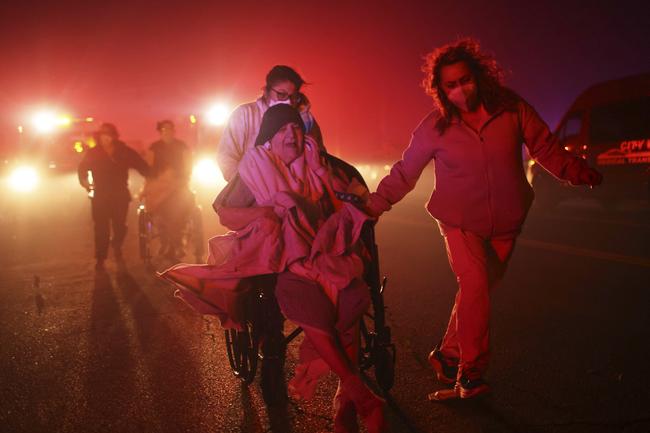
(104, 173)
(282, 86)
(166, 193)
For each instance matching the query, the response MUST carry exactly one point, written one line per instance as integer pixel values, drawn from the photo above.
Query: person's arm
(82, 171)
(403, 176)
(544, 147)
(230, 149)
(150, 158)
(136, 162)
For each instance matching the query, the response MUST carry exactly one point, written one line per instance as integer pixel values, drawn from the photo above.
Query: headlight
(218, 114)
(206, 172)
(45, 122)
(23, 179)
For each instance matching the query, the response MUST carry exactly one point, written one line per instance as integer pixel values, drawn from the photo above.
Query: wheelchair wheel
(377, 351)
(145, 228)
(196, 234)
(242, 347)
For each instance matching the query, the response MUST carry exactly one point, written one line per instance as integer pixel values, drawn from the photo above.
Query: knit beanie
(274, 119)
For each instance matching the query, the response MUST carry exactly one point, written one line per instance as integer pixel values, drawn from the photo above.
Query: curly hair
(485, 69)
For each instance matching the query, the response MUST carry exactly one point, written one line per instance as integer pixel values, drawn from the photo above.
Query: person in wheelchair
(287, 220)
(166, 193)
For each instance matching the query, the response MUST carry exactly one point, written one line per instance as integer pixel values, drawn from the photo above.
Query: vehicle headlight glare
(23, 179)
(218, 114)
(206, 172)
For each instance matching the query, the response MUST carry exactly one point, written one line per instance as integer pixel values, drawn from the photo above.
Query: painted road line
(594, 220)
(584, 252)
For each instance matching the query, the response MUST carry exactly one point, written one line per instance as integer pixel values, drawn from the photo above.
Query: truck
(609, 126)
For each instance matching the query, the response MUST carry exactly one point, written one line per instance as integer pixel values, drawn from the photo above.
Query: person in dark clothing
(167, 194)
(169, 153)
(104, 172)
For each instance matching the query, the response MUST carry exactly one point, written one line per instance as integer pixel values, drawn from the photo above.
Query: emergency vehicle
(609, 126)
(52, 144)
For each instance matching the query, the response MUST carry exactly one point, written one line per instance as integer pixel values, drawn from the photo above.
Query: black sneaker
(464, 389)
(445, 368)
(470, 388)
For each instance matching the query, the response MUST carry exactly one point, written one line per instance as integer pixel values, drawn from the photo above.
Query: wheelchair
(261, 341)
(192, 232)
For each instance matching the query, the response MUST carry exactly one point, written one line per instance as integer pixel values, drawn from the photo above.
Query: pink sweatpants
(479, 264)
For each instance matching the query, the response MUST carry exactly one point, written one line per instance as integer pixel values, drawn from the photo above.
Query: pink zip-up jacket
(480, 182)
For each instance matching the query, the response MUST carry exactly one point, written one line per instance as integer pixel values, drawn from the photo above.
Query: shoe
(367, 404)
(445, 368)
(470, 388)
(345, 414)
(464, 389)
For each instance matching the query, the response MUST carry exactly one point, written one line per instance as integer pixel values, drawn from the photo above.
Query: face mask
(461, 95)
(277, 102)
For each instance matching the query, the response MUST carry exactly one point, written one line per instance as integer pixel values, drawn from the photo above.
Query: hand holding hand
(376, 205)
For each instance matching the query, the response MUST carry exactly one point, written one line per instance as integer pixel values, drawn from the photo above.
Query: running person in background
(282, 86)
(166, 193)
(108, 163)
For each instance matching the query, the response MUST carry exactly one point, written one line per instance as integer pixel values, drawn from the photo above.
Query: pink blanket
(308, 232)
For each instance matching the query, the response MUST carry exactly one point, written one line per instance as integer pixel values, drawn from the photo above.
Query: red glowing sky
(134, 62)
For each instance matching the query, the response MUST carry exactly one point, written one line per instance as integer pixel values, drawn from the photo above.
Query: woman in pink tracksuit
(481, 195)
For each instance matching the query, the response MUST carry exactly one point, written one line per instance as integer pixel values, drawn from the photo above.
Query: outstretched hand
(590, 176)
(376, 205)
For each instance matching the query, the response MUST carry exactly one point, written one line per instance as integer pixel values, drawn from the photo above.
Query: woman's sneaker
(470, 388)
(465, 388)
(446, 369)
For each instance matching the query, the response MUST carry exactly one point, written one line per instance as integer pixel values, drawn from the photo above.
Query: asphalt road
(79, 352)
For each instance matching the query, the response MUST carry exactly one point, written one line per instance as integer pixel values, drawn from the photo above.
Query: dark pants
(109, 213)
